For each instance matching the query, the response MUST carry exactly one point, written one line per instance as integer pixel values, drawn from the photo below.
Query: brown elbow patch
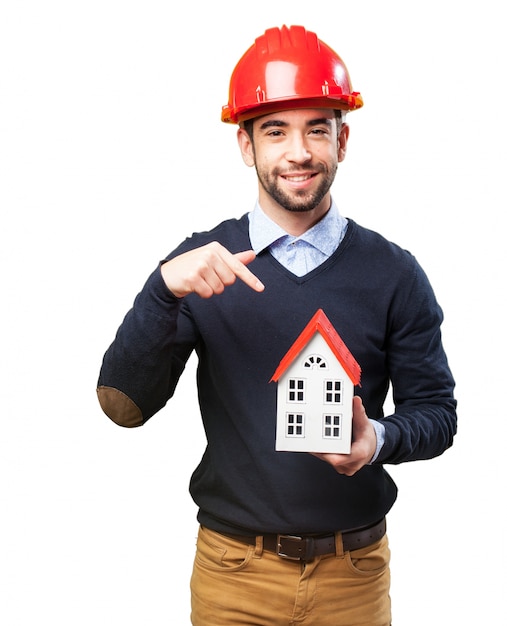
(119, 407)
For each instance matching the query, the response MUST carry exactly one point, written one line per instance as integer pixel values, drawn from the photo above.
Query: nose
(297, 150)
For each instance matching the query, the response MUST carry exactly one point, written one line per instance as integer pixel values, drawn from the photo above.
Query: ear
(343, 138)
(246, 147)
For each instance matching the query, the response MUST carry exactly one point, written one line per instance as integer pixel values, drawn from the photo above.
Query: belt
(307, 547)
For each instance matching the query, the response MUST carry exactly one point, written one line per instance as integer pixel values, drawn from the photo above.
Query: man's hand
(364, 443)
(208, 270)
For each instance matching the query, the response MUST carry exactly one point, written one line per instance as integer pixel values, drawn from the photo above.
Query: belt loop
(259, 546)
(338, 540)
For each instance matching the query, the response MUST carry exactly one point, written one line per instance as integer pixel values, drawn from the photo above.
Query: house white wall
(314, 406)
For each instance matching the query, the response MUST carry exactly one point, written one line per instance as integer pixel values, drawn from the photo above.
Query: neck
(295, 223)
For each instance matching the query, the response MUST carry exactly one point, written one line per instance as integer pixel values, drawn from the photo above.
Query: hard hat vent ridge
(287, 38)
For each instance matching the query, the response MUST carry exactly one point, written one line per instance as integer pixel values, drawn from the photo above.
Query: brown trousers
(234, 584)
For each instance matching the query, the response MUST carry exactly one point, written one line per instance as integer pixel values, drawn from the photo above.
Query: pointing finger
(238, 265)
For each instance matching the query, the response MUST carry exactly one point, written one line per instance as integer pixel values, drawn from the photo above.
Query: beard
(302, 200)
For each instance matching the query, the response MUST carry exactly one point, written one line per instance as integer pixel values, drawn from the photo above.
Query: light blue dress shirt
(304, 253)
(300, 254)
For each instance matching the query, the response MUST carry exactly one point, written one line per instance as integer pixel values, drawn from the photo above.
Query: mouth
(297, 178)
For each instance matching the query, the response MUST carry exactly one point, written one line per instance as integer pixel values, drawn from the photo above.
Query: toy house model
(316, 380)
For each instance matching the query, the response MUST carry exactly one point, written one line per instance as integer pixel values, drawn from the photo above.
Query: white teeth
(298, 179)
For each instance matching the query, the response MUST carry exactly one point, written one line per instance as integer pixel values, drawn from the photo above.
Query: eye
(319, 131)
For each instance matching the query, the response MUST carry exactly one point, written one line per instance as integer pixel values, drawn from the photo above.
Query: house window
(333, 391)
(315, 360)
(295, 425)
(332, 426)
(296, 390)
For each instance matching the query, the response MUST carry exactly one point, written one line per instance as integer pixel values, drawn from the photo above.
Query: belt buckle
(305, 547)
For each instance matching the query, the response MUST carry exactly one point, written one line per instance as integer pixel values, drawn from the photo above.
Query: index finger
(238, 263)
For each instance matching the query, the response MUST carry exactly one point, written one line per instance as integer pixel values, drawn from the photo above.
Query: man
(288, 537)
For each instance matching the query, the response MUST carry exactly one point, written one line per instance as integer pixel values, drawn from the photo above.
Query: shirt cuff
(380, 431)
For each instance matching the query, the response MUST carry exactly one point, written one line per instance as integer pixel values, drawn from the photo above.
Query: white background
(112, 151)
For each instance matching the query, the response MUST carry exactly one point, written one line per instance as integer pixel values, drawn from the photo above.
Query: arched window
(315, 360)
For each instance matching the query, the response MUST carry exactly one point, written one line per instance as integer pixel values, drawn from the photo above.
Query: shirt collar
(323, 236)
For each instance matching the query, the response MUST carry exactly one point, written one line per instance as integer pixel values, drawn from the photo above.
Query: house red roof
(320, 323)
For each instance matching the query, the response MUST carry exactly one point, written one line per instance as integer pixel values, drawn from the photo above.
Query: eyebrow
(281, 124)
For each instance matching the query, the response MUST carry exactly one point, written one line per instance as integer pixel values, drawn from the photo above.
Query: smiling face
(296, 155)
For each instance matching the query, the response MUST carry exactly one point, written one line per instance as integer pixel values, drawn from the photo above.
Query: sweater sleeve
(142, 366)
(424, 422)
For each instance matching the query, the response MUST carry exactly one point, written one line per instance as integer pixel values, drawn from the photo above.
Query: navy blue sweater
(379, 300)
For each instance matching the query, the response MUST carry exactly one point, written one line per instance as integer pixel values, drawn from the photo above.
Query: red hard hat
(288, 68)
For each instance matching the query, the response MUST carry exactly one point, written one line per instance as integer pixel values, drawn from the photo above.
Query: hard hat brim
(350, 102)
